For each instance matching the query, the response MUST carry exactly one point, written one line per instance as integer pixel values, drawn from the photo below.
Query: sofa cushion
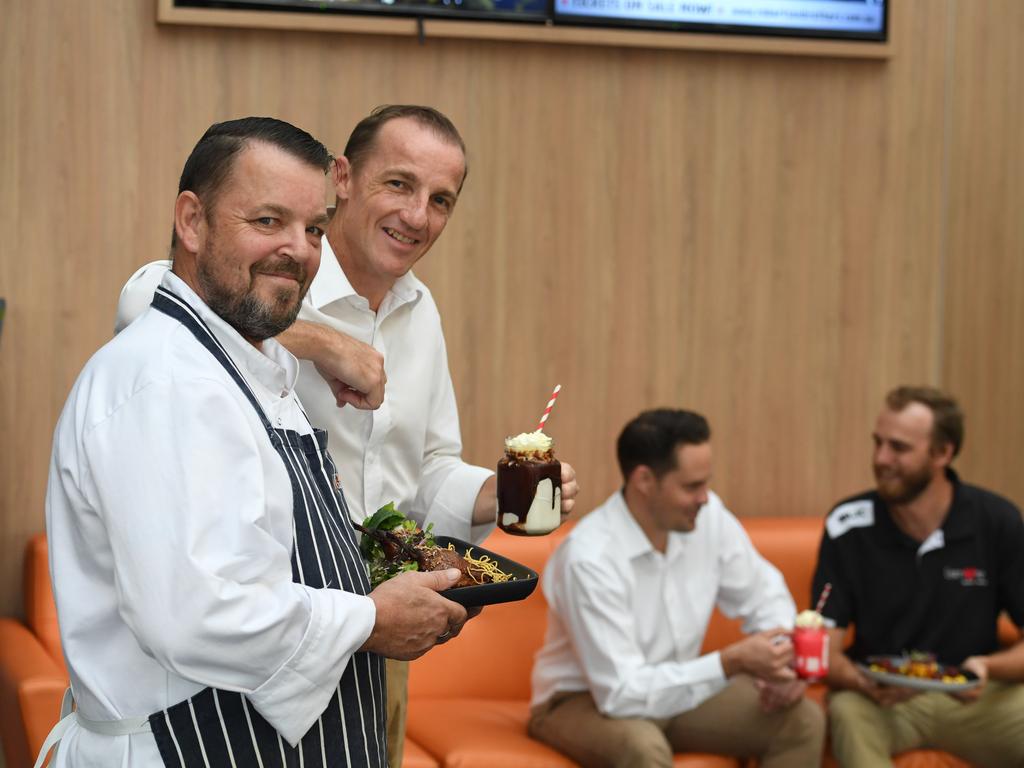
(414, 756)
(40, 608)
(475, 732)
(468, 733)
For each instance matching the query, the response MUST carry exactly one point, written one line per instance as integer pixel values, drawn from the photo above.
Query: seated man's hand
(569, 489)
(979, 666)
(766, 655)
(885, 695)
(412, 617)
(776, 696)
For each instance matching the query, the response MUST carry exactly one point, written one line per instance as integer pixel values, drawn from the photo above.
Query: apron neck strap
(174, 306)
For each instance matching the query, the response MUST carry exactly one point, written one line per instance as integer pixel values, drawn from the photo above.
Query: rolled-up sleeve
(448, 486)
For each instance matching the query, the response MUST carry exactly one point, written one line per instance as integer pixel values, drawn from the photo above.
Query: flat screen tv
(826, 19)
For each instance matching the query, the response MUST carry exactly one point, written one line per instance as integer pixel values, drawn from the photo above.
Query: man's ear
(341, 176)
(189, 221)
(943, 454)
(643, 479)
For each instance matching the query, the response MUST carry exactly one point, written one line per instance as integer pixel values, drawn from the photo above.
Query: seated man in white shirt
(214, 608)
(620, 680)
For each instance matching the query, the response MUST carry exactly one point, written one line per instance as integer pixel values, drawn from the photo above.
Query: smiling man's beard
(910, 486)
(245, 312)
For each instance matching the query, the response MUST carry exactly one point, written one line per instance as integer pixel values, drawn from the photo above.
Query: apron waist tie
(125, 727)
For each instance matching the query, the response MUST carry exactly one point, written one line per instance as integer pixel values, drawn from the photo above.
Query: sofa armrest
(31, 686)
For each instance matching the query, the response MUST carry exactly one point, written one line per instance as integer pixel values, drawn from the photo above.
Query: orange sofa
(468, 699)
(32, 673)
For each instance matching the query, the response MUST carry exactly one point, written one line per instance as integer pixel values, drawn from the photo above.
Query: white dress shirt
(409, 450)
(627, 622)
(170, 528)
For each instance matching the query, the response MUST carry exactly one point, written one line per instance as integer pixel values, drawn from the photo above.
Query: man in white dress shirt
(396, 187)
(214, 609)
(620, 680)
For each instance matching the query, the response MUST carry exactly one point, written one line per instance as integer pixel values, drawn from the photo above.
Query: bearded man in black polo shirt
(923, 563)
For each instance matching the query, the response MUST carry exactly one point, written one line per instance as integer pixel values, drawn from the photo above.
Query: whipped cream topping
(526, 444)
(810, 620)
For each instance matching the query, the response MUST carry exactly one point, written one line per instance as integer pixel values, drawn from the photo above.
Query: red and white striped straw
(824, 596)
(547, 410)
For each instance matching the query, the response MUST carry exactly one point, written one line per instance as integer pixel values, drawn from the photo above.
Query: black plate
(520, 587)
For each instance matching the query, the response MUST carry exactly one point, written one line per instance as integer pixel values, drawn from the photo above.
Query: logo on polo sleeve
(968, 577)
(853, 514)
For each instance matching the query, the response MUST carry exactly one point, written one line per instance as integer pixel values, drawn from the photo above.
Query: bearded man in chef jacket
(213, 605)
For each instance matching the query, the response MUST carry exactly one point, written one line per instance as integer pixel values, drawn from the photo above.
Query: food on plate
(920, 665)
(392, 544)
(529, 485)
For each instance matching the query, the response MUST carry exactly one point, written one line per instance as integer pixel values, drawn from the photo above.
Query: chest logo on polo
(968, 577)
(852, 514)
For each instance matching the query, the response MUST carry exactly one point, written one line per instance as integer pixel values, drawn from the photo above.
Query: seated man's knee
(849, 710)
(643, 745)
(807, 721)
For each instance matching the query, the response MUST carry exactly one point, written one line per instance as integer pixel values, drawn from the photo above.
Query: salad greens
(384, 564)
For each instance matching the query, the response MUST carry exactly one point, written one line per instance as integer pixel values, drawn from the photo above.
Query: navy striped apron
(220, 729)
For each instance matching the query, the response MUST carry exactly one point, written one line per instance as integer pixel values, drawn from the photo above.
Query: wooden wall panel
(984, 324)
(757, 237)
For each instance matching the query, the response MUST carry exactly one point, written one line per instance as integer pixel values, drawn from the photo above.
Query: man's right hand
(352, 369)
(885, 695)
(411, 617)
(766, 655)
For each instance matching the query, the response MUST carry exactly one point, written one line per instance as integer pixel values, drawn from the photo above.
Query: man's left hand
(979, 666)
(776, 696)
(569, 489)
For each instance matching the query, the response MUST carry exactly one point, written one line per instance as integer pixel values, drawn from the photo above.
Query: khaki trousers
(730, 723)
(397, 674)
(988, 733)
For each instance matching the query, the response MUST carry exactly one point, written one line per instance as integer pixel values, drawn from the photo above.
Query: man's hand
(766, 655)
(411, 617)
(353, 370)
(979, 666)
(885, 695)
(569, 489)
(775, 696)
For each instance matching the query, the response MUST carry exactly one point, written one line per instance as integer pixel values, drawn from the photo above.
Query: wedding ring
(444, 636)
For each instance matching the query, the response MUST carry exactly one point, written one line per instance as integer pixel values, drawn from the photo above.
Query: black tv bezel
(382, 11)
(547, 17)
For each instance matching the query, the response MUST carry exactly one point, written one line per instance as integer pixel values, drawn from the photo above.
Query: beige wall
(771, 240)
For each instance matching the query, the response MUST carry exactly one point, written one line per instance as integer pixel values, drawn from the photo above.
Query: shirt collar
(956, 525)
(331, 284)
(274, 367)
(633, 542)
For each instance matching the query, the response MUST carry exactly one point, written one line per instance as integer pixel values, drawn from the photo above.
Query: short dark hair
(948, 419)
(209, 165)
(651, 439)
(361, 140)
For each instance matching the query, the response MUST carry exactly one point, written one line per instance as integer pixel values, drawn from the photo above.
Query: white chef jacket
(169, 517)
(627, 622)
(409, 450)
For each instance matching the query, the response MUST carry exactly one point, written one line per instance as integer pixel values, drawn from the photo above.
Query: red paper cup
(810, 649)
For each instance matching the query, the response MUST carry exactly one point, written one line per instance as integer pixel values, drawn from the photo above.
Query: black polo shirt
(941, 596)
